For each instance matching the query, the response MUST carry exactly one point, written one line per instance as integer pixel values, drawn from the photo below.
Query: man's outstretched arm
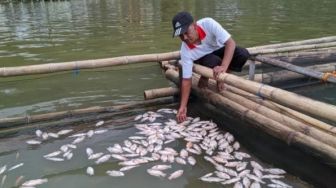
(185, 92)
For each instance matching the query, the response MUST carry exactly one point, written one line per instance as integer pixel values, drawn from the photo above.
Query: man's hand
(181, 115)
(217, 70)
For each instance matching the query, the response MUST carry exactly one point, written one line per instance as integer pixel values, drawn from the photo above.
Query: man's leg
(239, 58)
(210, 61)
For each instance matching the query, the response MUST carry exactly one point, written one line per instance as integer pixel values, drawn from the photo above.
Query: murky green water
(43, 32)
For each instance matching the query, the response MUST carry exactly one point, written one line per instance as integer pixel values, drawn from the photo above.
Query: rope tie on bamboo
(28, 119)
(76, 70)
(327, 75)
(126, 60)
(259, 93)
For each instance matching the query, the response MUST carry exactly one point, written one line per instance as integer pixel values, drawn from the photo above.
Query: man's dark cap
(181, 22)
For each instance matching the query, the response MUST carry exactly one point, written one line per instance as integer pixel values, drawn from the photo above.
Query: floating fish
(78, 140)
(3, 180)
(90, 171)
(126, 168)
(33, 183)
(54, 135)
(38, 133)
(103, 159)
(53, 154)
(56, 159)
(175, 174)
(157, 173)
(115, 173)
(100, 123)
(33, 142)
(95, 156)
(64, 132)
(3, 169)
(161, 167)
(18, 180)
(15, 167)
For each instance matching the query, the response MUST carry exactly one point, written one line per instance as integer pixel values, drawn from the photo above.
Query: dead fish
(18, 180)
(115, 173)
(45, 136)
(138, 117)
(255, 178)
(276, 171)
(236, 145)
(54, 135)
(255, 185)
(101, 131)
(38, 133)
(222, 175)
(246, 182)
(114, 150)
(3, 180)
(64, 132)
(15, 167)
(72, 146)
(68, 155)
(90, 171)
(191, 160)
(53, 154)
(180, 161)
(89, 151)
(257, 172)
(78, 140)
(125, 168)
(119, 157)
(157, 173)
(64, 148)
(33, 142)
(90, 133)
(238, 185)
(56, 159)
(230, 181)
(273, 185)
(211, 179)
(256, 165)
(278, 182)
(103, 159)
(175, 174)
(272, 176)
(3, 169)
(95, 156)
(161, 167)
(33, 183)
(78, 135)
(99, 123)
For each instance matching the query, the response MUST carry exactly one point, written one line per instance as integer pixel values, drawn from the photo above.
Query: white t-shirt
(212, 35)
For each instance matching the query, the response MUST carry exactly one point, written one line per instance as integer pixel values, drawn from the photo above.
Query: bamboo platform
(292, 118)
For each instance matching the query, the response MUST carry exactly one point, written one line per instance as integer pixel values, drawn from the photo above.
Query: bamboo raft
(292, 118)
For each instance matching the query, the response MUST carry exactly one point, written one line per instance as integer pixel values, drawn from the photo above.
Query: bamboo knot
(290, 137)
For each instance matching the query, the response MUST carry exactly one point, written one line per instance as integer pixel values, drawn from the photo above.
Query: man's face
(191, 36)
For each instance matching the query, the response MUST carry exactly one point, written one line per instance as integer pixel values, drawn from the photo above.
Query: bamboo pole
(284, 75)
(5, 122)
(270, 126)
(160, 92)
(85, 64)
(296, 43)
(280, 96)
(290, 48)
(291, 67)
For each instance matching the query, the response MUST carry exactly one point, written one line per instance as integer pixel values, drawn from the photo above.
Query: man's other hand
(181, 115)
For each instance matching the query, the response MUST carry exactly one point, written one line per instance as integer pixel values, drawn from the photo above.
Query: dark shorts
(214, 59)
